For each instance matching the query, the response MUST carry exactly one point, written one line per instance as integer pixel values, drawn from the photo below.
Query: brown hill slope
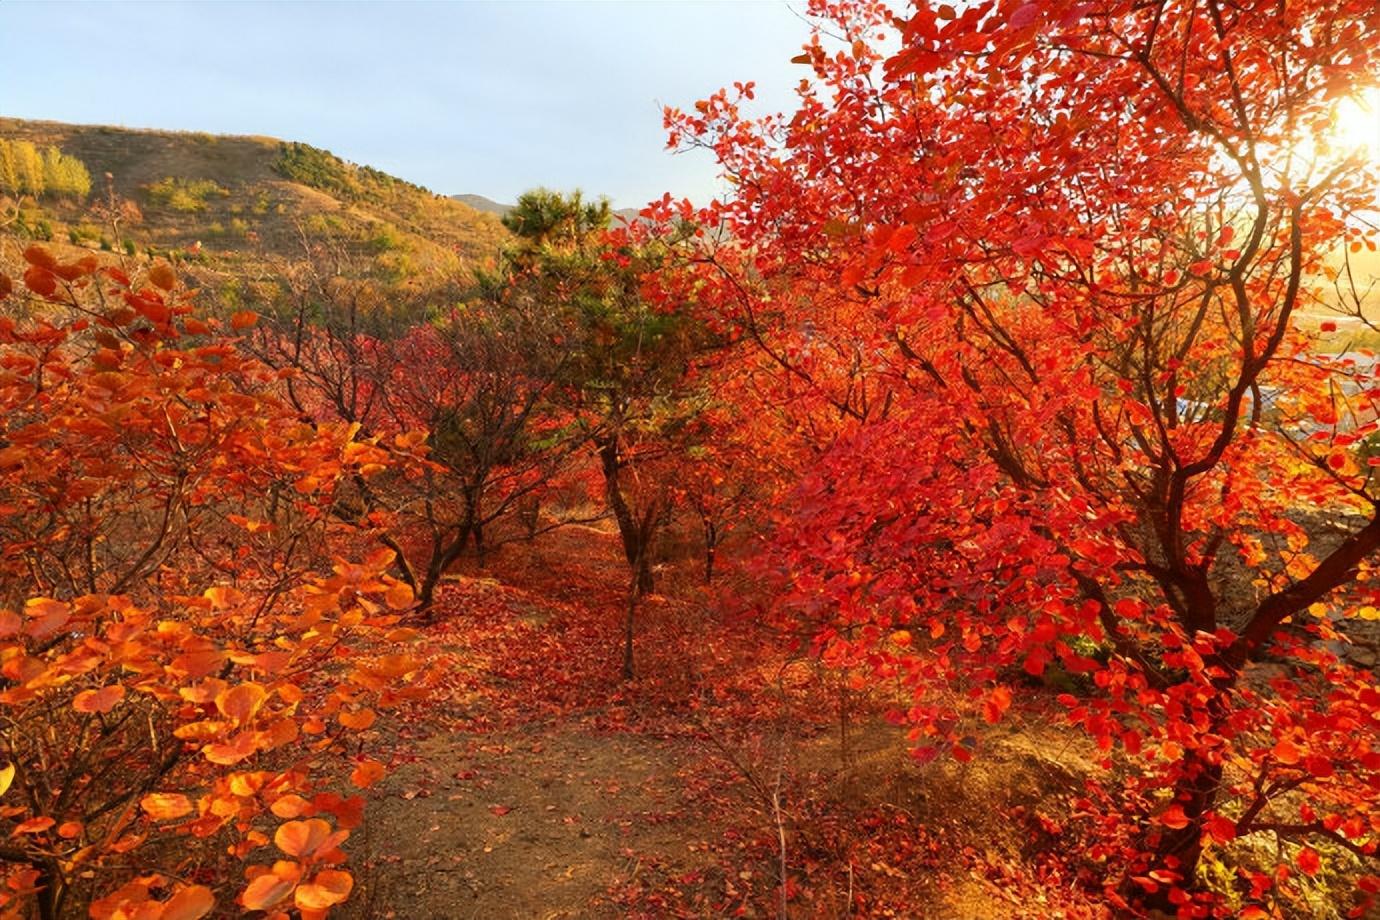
(244, 208)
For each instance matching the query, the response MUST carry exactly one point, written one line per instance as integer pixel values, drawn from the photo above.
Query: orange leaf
(330, 887)
(399, 596)
(68, 830)
(222, 597)
(233, 751)
(290, 806)
(244, 319)
(997, 702)
(302, 838)
(1287, 753)
(40, 257)
(358, 720)
(102, 700)
(162, 276)
(191, 903)
(367, 773)
(165, 806)
(266, 891)
(247, 784)
(241, 702)
(41, 281)
(33, 826)
(46, 616)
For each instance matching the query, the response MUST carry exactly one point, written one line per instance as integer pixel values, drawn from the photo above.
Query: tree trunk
(711, 545)
(52, 892)
(442, 557)
(480, 550)
(634, 537)
(633, 594)
(1180, 849)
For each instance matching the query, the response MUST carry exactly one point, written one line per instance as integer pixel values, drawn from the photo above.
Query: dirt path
(534, 783)
(544, 826)
(527, 787)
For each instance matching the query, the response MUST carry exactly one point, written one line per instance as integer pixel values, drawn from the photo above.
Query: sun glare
(1357, 124)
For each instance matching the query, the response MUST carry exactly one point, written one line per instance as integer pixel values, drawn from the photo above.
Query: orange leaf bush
(174, 614)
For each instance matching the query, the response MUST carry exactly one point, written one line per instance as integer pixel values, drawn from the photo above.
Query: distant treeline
(323, 170)
(27, 170)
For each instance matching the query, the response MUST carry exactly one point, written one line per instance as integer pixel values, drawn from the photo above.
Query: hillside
(242, 208)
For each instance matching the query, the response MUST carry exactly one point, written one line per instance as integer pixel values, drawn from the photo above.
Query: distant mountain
(489, 206)
(480, 203)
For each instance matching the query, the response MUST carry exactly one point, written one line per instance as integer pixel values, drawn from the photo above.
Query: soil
(536, 784)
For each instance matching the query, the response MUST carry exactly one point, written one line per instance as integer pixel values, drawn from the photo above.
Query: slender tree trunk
(480, 550)
(53, 891)
(1181, 849)
(634, 537)
(443, 556)
(529, 513)
(711, 546)
(634, 595)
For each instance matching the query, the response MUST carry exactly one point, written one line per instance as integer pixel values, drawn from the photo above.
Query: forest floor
(536, 783)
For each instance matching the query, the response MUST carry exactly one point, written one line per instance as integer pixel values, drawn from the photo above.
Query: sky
(479, 97)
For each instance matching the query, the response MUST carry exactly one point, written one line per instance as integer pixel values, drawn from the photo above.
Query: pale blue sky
(490, 98)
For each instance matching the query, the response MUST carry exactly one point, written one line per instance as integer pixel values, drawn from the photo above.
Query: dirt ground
(536, 784)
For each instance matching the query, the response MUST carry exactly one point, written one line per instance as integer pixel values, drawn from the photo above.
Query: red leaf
(1174, 817)
(1286, 752)
(996, 704)
(1220, 829)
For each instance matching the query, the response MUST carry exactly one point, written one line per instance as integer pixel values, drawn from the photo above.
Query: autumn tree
(323, 323)
(564, 262)
(9, 169)
(29, 163)
(481, 382)
(1025, 291)
(625, 377)
(27, 170)
(184, 658)
(64, 174)
(470, 385)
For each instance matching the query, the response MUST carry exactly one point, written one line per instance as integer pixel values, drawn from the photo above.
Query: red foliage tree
(1025, 292)
(479, 382)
